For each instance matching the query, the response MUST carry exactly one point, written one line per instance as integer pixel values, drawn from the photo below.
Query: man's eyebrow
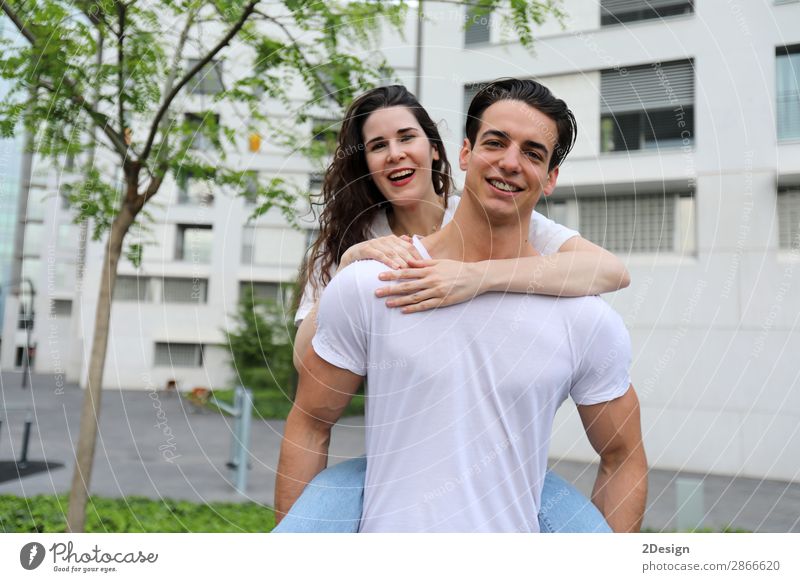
(529, 144)
(399, 132)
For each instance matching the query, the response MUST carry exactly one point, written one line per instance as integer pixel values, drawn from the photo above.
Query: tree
(115, 77)
(261, 345)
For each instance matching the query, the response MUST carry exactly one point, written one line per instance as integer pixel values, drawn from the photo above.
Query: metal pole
(690, 503)
(26, 437)
(26, 355)
(244, 441)
(237, 415)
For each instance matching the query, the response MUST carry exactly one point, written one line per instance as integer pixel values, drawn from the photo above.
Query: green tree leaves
(261, 344)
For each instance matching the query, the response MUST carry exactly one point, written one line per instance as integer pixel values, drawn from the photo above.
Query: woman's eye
(376, 146)
(534, 155)
(407, 138)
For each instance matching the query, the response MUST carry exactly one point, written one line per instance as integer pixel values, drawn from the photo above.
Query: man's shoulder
(588, 313)
(586, 304)
(601, 345)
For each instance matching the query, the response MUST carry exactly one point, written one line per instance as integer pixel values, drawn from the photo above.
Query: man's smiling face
(507, 166)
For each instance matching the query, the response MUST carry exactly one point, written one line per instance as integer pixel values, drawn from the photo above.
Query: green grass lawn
(47, 514)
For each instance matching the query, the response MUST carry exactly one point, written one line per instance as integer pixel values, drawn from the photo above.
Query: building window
(619, 11)
(192, 190)
(469, 94)
(203, 130)
(325, 131)
(19, 356)
(183, 178)
(248, 240)
(261, 290)
(184, 290)
(208, 81)
(63, 197)
(789, 218)
(640, 223)
(25, 318)
(261, 246)
(61, 308)
(131, 288)
(646, 107)
(272, 246)
(249, 186)
(628, 223)
(315, 182)
(478, 26)
(327, 87)
(193, 243)
(179, 355)
(788, 92)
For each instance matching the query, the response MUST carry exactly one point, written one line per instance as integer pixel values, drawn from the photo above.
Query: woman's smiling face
(399, 155)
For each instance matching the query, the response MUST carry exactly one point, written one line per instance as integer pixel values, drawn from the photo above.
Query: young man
(461, 400)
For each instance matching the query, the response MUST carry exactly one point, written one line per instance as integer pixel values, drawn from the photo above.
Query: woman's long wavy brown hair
(350, 199)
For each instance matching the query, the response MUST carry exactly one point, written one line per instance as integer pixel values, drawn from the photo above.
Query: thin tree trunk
(90, 411)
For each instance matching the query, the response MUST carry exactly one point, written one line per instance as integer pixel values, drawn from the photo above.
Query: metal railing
(22, 462)
(242, 411)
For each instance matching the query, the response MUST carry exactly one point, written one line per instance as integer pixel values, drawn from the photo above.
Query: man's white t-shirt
(546, 236)
(461, 400)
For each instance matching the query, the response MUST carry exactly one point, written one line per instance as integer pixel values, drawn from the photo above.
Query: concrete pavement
(159, 446)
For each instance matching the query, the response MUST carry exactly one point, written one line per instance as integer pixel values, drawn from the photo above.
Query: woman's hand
(393, 251)
(433, 283)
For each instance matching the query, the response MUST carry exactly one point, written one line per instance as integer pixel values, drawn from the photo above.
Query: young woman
(390, 179)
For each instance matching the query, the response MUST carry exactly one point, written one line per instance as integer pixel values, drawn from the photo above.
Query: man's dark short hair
(531, 93)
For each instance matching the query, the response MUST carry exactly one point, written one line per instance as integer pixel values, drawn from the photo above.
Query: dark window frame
(645, 13)
(208, 80)
(199, 356)
(180, 238)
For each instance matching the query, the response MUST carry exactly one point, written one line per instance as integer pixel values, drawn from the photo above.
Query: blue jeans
(332, 503)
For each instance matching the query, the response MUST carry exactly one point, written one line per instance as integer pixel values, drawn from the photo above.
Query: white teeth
(400, 174)
(503, 186)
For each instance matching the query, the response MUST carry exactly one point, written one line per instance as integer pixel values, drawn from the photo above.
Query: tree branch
(176, 61)
(96, 17)
(18, 23)
(100, 119)
(121, 13)
(311, 67)
(152, 187)
(246, 13)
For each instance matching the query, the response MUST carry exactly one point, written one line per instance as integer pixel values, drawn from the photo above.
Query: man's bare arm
(302, 339)
(620, 490)
(323, 392)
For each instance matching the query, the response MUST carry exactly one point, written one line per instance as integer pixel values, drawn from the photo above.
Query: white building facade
(687, 165)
